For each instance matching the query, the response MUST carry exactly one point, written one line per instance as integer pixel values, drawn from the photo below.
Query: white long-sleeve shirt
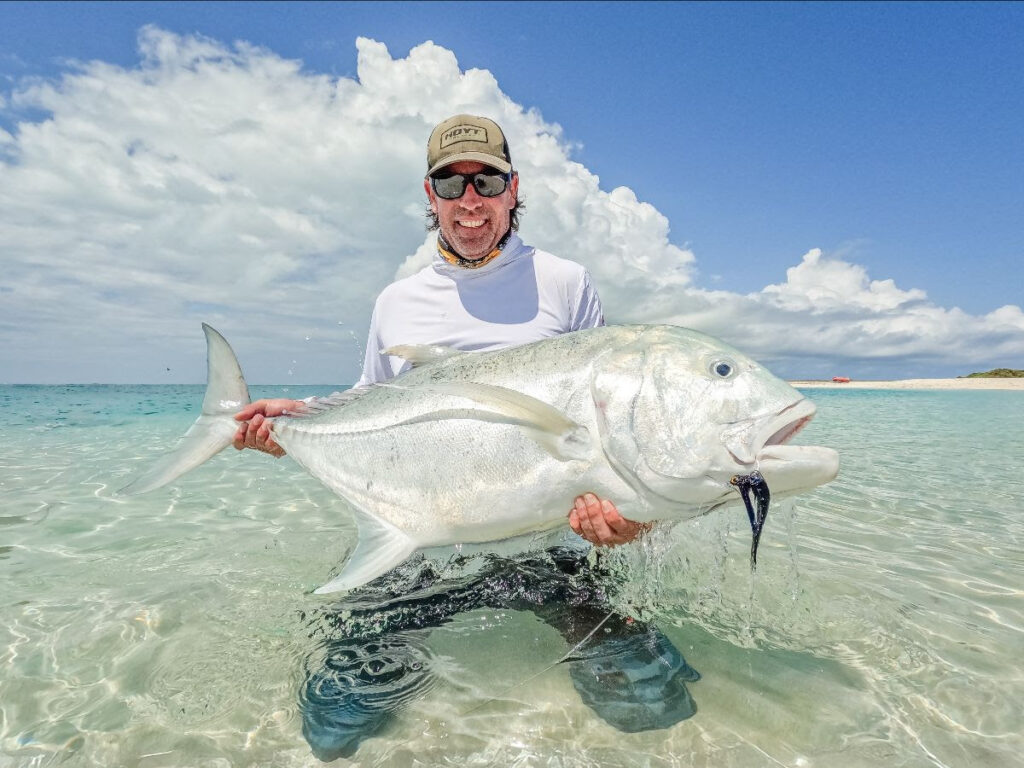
(523, 295)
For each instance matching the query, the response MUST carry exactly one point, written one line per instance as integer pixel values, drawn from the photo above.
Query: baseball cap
(467, 137)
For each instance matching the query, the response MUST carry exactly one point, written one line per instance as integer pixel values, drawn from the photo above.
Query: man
(484, 290)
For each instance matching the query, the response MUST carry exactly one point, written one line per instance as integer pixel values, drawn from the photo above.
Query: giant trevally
(470, 447)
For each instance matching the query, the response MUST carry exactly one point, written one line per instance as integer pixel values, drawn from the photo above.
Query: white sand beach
(974, 384)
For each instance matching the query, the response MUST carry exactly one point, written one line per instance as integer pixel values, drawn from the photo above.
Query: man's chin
(471, 250)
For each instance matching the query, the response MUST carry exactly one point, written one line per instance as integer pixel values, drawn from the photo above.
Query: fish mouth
(792, 468)
(778, 429)
(788, 422)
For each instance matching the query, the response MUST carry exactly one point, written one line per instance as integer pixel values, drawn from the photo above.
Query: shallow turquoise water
(884, 625)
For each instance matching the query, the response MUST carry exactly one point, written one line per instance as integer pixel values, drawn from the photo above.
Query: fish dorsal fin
(380, 548)
(421, 354)
(334, 400)
(559, 435)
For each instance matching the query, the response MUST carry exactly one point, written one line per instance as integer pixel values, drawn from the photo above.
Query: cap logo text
(463, 133)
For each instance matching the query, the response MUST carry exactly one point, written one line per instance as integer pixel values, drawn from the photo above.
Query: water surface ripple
(883, 626)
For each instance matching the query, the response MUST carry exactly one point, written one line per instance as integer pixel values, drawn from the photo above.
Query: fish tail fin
(213, 431)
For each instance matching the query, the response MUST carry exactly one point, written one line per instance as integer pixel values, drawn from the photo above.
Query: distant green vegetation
(996, 373)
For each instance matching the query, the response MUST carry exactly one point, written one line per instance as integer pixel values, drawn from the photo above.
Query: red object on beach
(841, 379)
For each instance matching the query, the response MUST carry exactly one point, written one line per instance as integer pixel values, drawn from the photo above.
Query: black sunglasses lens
(449, 187)
(452, 187)
(489, 185)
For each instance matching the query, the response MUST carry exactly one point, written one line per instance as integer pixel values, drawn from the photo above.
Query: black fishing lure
(755, 483)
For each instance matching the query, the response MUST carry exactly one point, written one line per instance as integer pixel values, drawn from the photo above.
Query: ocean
(884, 624)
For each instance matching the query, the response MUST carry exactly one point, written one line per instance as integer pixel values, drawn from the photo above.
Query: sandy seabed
(975, 384)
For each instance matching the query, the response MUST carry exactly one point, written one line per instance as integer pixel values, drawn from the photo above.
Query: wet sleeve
(376, 366)
(587, 312)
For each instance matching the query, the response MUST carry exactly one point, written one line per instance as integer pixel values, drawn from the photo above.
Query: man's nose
(471, 198)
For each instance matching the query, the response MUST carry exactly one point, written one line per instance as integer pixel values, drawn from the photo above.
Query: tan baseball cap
(467, 137)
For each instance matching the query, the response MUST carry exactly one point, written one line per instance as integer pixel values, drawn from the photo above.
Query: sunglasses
(452, 186)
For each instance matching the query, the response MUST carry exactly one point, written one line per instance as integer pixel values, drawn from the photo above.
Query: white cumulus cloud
(829, 315)
(227, 184)
(824, 285)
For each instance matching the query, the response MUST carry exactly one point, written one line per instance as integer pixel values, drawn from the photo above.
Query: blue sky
(885, 135)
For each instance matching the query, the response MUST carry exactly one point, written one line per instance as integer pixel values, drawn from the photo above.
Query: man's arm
(587, 311)
(376, 367)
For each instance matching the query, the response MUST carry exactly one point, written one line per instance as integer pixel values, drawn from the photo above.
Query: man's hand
(599, 522)
(254, 432)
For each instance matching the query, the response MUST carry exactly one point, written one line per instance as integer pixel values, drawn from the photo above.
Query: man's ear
(431, 199)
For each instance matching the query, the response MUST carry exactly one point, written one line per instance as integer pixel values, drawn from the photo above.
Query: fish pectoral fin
(380, 548)
(421, 354)
(555, 432)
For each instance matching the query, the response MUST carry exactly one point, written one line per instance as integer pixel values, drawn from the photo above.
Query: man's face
(473, 225)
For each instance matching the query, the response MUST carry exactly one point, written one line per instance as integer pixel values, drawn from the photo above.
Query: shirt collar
(446, 262)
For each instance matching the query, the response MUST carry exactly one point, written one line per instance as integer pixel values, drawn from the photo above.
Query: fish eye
(723, 369)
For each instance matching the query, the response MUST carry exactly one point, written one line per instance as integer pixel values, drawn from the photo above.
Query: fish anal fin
(380, 548)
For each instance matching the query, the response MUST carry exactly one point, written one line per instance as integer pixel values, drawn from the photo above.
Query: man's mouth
(471, 223)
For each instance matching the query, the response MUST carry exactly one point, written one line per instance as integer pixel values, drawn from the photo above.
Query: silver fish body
(484, 446)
